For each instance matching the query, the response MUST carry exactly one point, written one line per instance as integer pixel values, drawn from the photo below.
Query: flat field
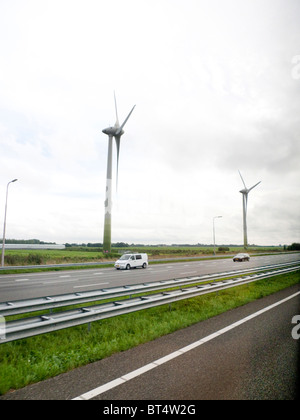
(14, 257)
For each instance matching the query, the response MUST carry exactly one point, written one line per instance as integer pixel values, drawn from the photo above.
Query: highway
(244, 354)
(30, 285)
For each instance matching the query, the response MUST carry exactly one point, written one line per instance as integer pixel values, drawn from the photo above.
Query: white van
(128, 261)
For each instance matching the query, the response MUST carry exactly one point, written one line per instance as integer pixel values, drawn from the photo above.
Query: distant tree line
(294, 247)
(28, 241)
(126, 245)
(99, 245)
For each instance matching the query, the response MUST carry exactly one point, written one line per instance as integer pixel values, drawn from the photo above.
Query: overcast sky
(216, 85)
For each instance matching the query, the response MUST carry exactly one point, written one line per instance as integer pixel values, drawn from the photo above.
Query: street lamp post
(4, 227)
(216, 217)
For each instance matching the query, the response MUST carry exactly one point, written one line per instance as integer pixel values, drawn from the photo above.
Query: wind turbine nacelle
(112, 131)
(244, 191)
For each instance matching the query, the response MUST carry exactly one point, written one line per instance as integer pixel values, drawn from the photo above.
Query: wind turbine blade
(120, 129)
(117, 118)
(243, 180)
(254, 186)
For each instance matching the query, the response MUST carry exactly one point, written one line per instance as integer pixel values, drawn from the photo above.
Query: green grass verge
(34, 359)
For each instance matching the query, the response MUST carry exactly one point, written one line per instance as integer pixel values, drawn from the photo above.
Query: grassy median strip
(34, 359)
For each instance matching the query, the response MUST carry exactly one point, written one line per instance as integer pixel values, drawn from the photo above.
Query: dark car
(241, 257)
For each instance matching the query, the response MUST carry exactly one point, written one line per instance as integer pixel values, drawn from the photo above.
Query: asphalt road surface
(30, 285)
(247, 353)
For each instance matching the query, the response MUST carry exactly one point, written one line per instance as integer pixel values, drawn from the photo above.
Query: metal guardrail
(58, 301)
(28, 327)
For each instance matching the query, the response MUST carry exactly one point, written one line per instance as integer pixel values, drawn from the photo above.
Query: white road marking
(62, 282)
(123, 379)
(89, 285)
(189, 272)
(159, 271)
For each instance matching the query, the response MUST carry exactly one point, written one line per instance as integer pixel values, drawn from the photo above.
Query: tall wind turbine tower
(245, 193)
(116, 131)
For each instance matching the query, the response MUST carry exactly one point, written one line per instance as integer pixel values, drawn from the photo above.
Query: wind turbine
(116, 131)
(245, 193)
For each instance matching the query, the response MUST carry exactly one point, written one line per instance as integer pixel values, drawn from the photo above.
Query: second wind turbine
(116, 131)
(245, 193)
